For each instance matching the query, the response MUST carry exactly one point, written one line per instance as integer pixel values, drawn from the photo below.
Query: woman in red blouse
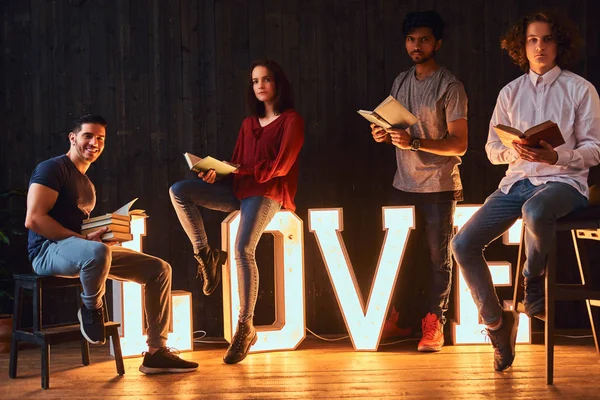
(266, 151)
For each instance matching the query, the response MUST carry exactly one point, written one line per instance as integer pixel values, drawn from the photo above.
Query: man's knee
(158, 266)
(99, 254)
(460, 246)
(165, 268)
(536, 214)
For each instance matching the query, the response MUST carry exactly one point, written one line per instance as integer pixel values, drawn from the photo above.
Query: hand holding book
(543, 154)
(96, 235)
(390, 114)
(111, 228)
(204, 166)
(547, 131)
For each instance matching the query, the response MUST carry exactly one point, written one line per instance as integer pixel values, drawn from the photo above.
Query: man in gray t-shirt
(427, 176)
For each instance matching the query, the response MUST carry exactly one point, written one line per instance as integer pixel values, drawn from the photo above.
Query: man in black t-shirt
(60, 197)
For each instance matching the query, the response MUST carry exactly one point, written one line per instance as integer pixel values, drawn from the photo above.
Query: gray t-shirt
(435, 100)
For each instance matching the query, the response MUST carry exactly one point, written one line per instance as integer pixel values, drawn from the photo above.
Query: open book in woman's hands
(197, 164)
(547, 131)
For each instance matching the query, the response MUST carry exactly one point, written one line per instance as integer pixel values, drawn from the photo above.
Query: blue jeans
(540, 206)
(94, 262)
(435, 223)
(256, 213)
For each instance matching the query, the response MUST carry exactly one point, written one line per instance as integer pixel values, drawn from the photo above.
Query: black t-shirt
(76, 196)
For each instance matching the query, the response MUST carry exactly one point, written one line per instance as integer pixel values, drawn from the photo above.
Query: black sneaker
(535, 298)
(209, 267)
(244, 337)
(504, 340)
(164, 360)
(91, 324)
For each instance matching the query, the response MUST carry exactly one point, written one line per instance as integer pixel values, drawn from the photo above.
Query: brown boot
(209, 267)
(244, 337)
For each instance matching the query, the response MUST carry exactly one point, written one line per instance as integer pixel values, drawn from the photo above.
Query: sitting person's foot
(166, 360)
(433, 334)
(535, 298)
(391, 329)
(244, 337)
(504, 339)
(209, 267)
(91, 324)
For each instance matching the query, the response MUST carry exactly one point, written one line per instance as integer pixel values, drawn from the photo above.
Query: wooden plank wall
(169, 75)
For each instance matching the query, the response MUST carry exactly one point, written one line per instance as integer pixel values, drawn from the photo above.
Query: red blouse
(268, 158)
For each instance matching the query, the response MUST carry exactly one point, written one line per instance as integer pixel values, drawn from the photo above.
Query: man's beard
(424, 58)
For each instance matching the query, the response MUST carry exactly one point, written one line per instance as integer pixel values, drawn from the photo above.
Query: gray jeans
(256, 213)
(95, 262)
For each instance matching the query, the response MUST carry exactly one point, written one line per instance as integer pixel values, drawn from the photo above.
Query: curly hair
(284, 95)
(564, 33)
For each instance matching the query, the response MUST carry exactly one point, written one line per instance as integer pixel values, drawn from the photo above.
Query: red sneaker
(391, 330)
(433, 334)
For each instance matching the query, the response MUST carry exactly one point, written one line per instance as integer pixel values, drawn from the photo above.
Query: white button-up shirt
(560, 96)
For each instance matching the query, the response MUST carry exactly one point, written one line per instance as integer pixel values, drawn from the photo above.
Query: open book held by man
(390, 114)
(547, 131)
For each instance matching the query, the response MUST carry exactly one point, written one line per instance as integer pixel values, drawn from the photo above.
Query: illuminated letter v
(364, 327)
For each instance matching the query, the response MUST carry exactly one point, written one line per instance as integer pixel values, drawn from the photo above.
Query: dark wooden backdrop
(170, 76)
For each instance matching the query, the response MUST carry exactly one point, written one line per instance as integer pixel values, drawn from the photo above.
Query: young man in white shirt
(541, 184)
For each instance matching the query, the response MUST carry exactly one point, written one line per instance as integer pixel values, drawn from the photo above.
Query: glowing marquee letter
(365, 327)
(468, 331)
(289, 328)
(128, 306)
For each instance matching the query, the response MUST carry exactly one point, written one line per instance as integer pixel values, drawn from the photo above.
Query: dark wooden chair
(44, 336)
(582, 224)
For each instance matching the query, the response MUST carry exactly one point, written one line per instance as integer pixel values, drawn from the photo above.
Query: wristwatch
(415, 144)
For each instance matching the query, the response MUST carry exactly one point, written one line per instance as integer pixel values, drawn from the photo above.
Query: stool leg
(116, 343)
(585, 274)
(593, 323)
(37, 306)
(85, 352)
(550, 305)
(518, 289)
(45, 365)
(14, 356)
(14, 343)
(85, 346)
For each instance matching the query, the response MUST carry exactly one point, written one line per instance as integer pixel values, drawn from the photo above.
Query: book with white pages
(390, 114)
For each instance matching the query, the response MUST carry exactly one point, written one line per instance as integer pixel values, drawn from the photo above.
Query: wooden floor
(316, 370)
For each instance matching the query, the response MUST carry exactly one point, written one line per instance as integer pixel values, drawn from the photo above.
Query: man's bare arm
(40, 200)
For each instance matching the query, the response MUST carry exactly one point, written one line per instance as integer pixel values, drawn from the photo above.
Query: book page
(395, 113)
(374, 118)
(507, 134)
(220, 167)
(125, 209)
(538, 128)
(191, 159)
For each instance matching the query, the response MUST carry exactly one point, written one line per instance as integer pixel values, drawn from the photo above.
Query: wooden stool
(583, 224)
(44, 336)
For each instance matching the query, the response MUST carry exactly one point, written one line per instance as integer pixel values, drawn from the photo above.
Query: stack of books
(119, 227)
(118, 223)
